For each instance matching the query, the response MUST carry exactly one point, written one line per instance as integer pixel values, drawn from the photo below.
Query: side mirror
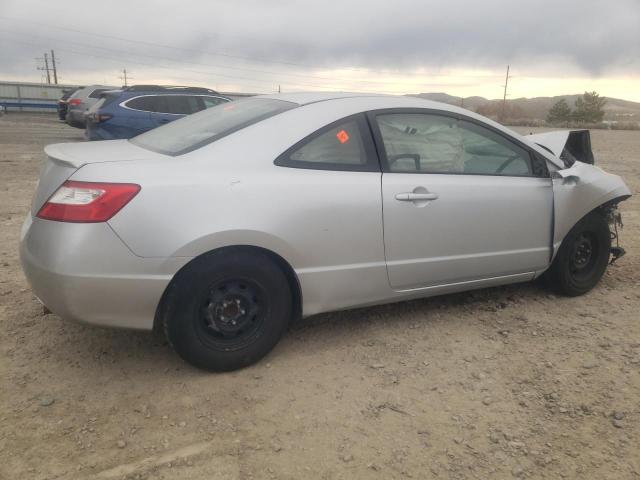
(567, 178)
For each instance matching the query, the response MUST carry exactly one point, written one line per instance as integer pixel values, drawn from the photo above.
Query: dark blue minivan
(133, 110)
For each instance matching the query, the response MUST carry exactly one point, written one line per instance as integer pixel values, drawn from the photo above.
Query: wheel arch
(578, 191)
(602, 206)
(282, 263)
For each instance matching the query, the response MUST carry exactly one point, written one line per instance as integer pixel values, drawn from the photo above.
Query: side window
(428, 143)
(212, 101)
(422, 143)
(148, 103)
(486, 152)
(339, 146)
(182, 104)
(96, 93)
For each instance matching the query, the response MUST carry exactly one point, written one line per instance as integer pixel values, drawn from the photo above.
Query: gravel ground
(498, 383)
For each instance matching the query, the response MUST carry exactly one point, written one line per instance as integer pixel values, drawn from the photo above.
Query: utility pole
(279, 91)
(53, 65)
(124, 77)
(504, 99)
(46, 66)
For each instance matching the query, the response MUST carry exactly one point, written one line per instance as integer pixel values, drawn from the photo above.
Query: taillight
(75, 102)
(87, 202)
(99, 117)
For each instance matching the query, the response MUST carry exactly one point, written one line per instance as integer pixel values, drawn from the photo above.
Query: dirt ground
(499, 383)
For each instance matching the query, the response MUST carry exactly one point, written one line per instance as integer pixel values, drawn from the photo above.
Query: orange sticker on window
(342, 136)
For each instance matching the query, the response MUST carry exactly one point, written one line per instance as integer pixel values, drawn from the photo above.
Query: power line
(119, 60)
(172, 68)
(324, 86)
(222, 54)
(253, 70)
(142, 42)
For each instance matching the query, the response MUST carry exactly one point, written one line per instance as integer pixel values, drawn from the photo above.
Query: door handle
(412, 197)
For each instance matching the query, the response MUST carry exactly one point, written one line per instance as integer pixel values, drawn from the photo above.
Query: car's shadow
(104, 350)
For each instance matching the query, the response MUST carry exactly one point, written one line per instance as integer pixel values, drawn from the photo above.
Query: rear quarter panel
(230, 192)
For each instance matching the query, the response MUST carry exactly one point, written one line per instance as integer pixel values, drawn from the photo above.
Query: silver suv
(81, 101)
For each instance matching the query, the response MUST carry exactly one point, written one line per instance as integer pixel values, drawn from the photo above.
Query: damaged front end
(614, 219)
(579, 187)
(570, 146)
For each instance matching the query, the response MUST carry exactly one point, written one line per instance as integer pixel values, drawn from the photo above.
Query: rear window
(96, 93)
(194, 131)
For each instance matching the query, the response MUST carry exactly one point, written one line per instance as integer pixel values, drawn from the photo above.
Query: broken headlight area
(614, 218)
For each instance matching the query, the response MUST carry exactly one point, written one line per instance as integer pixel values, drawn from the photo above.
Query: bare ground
(499, 383)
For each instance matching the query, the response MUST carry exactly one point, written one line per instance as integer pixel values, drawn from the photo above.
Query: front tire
(227, 309)
(582, 258)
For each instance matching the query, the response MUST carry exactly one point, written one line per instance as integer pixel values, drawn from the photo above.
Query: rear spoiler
(568, 145)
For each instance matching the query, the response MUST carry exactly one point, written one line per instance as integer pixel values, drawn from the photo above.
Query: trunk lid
(64, 159)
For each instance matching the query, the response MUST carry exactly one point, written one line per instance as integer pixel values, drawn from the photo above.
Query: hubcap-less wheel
(583, 256)
(585, 253)
(232, 313)
(228, 308)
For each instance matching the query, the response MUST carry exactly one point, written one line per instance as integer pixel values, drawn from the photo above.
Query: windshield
(194, 131)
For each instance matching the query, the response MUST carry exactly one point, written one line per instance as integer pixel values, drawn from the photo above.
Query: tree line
(589, 108)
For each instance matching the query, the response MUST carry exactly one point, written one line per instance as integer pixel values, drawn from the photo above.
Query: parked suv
(81, 101)
(131, 111)
(62, 101)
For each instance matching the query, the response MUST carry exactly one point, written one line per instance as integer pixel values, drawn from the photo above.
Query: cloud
(258, 43)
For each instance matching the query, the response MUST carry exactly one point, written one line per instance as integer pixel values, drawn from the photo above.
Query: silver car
(223, 227)
(81, 101)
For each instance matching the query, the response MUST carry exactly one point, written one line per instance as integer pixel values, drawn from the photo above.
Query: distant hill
(616, 110)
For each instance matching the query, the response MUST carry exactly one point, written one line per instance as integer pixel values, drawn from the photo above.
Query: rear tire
(582, 258)
(227, 309)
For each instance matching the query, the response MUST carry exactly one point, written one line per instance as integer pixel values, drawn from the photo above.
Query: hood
(568, 145)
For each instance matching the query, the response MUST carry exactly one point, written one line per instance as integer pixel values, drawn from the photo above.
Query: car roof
(304, 98)
(140, 93)
(400, 101)
(361, 102)
(90, 88)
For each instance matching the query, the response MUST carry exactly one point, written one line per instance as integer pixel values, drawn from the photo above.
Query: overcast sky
(399, 46)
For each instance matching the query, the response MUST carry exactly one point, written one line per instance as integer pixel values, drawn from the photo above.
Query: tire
(582, 258)
(227, 309)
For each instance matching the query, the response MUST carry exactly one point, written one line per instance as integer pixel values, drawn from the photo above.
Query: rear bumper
(84, 272)
(75, 118)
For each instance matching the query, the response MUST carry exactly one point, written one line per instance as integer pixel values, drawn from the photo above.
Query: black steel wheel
(582, 258)
(227, 309)
(233, 310)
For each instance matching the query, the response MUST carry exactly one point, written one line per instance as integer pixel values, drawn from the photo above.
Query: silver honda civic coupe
(222, 227)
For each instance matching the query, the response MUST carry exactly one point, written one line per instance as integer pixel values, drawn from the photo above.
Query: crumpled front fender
(577, 191)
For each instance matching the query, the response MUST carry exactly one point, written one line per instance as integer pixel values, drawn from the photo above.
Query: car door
(461, 202)
(138, 113)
